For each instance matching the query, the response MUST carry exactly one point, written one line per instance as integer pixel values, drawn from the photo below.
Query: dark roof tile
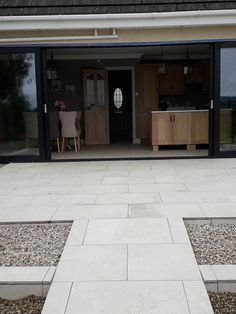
(49, 7)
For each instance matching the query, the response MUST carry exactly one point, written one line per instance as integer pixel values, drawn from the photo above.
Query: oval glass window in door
(118, 98)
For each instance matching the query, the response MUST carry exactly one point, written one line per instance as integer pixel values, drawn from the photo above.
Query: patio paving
(128, 251)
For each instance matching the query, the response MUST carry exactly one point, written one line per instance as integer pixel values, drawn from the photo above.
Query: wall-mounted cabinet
(172, 83)
(200, 76)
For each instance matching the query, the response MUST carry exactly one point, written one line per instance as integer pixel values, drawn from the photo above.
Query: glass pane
(101, 91)
(228, 99)
(90, 92)
(18, 105)
(118, 98)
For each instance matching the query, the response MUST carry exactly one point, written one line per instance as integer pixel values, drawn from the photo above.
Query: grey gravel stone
(32, 244)
(29, 305)
(213, 243)
(223, 303)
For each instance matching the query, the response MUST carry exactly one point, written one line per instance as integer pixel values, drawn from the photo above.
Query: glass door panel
(18, 105)
(227, 100)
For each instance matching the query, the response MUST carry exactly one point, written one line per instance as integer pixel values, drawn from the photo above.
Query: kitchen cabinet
(179, 128)
(199, 127)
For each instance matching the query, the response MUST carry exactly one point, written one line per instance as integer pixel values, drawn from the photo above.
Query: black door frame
(216, 126)
(40, 107)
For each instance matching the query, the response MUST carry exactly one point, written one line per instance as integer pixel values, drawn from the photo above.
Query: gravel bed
(28, 305)
(32, 244)
(213, 244)
(223, 303)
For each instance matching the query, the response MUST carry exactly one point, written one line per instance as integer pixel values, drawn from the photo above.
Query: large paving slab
(123, 231)
(162, 262)
(92, 263)
(127, 297)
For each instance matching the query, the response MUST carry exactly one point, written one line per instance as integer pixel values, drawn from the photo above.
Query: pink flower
(61, 104)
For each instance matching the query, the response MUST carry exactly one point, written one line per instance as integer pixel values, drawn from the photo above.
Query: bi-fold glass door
(21, 112)
(225, 100)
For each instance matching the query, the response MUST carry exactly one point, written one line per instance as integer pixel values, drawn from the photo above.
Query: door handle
(45, 108)
(173, 118)
(170, 118)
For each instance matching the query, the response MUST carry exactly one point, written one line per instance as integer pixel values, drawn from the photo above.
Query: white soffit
(118, 21)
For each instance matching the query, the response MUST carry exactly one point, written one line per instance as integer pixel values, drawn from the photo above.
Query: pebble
(213, 243)
(223, 303)
(29, 305)
(32, 244)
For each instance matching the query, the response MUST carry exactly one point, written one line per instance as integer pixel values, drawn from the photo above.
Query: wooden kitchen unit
(179, 128)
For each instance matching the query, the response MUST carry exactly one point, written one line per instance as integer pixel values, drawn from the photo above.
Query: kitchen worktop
(168, 111)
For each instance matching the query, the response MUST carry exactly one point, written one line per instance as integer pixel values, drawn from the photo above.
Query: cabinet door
(161, 129)
(148, 96)
(199, 127)
(181, 127)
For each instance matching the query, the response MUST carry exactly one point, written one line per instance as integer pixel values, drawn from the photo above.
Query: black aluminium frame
(41, 122)
(217, 152)
(40, 54)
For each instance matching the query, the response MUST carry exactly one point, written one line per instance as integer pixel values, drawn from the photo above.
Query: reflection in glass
(101, 90)
(18, 105)
(90, 91)
(118, 98)
(228, 99)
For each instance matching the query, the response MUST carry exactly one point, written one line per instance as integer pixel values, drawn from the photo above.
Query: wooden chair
(68, 129)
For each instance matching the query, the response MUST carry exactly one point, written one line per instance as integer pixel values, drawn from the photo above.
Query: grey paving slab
(224, 272)
(77, 232)
(178, 231)
(162, 262)
(195, 197)
(166, 210)
(128, 198)
(98, 189)
(127, 298)
(123, 231)
(27, 213)
(207, 273)
(92, 263)
(57, 298)
(91, 212)
(158, 187)
(198, 300)
(219, 210)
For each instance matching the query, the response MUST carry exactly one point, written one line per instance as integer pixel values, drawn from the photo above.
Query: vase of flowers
(61, 105)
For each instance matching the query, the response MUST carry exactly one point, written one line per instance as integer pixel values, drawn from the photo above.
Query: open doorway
(171, 81)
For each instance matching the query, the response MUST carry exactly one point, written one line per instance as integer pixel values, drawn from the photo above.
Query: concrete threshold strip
(20, 282)
(217, 278)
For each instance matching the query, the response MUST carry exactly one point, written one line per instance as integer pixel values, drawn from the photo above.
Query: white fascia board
(118, 21)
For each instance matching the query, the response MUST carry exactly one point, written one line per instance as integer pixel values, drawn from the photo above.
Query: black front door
(120, 104)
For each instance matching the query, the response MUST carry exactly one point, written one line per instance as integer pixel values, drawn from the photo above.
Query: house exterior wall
(126, 35)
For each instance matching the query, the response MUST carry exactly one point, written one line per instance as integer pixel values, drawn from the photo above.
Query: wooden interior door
(148, 81)
(96, 109)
